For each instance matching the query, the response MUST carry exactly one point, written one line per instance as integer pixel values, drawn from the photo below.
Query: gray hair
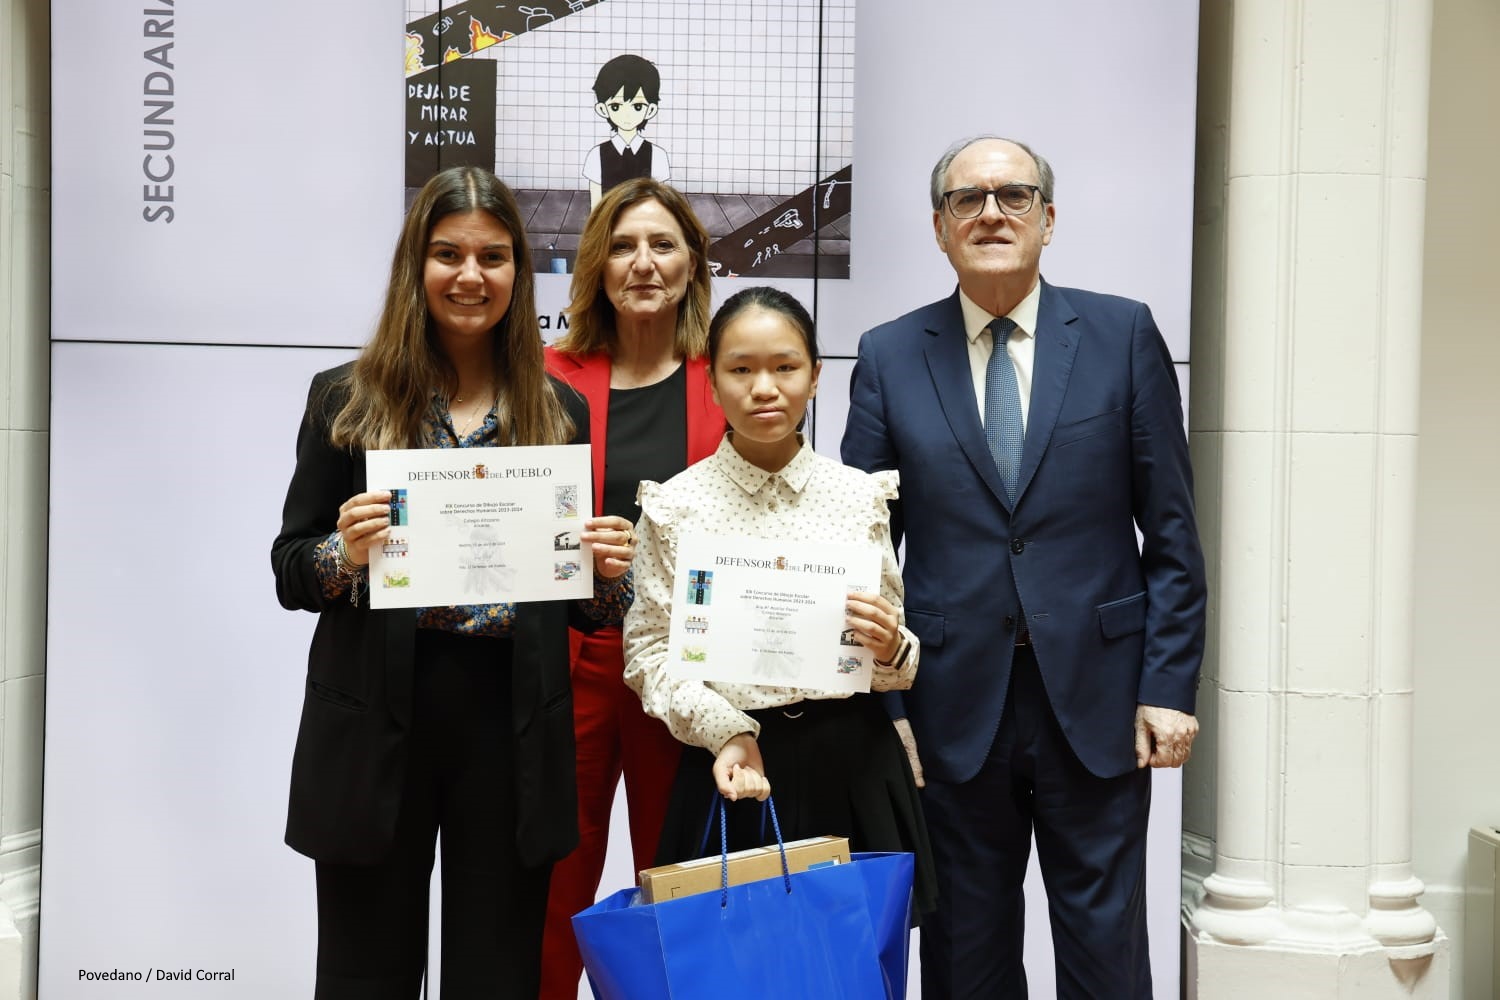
(940, 172)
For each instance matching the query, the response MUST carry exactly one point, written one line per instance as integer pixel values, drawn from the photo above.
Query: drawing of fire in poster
(746, 106)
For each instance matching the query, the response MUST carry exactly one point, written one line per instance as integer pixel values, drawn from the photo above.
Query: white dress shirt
(661, 167)
(1022, 345)
(812, 499)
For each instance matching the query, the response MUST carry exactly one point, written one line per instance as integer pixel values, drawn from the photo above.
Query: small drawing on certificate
(565, 501)
(700, 588)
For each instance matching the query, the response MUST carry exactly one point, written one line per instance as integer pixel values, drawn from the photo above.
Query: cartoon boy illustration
(628, 90)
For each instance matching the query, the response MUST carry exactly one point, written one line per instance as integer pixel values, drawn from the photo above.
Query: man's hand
(909, 744)
(1163, 736)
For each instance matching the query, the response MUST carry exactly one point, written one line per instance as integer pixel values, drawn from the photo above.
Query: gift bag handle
(770, 803)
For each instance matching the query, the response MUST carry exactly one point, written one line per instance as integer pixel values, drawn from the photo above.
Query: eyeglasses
(1011, 199)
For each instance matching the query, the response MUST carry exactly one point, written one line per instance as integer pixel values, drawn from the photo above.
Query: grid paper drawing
(756, 115)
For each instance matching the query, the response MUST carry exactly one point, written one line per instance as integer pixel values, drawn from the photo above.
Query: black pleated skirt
(836, 768)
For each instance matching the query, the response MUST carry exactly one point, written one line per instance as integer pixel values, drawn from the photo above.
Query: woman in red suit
(637, 335)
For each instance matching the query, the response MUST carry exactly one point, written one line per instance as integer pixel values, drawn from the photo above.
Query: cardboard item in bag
(703, 875)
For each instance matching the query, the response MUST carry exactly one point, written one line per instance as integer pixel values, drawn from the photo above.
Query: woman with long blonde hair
(637, 330)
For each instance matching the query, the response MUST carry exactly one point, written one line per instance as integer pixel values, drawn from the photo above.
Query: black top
(617, 167)
(646, 438)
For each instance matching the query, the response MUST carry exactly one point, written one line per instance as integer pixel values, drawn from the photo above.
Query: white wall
(1457, 663)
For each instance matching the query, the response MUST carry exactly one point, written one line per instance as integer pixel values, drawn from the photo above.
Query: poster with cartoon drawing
(746, 107)
(628, 90)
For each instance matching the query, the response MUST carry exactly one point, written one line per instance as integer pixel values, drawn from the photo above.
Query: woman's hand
(364, 522)
(877, 626)
(613, 540)
(739, 772)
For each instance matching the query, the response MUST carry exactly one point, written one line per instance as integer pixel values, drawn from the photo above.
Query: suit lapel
(948, 362)
(1056, 347)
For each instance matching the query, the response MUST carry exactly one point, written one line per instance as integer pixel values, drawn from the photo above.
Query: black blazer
(350, 761)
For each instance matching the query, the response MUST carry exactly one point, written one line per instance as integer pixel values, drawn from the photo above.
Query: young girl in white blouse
(836, 760)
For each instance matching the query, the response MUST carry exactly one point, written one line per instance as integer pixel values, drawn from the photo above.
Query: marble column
(1307, 326)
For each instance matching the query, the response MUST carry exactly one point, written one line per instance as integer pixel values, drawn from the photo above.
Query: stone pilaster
(25, 110)
(1306, 339)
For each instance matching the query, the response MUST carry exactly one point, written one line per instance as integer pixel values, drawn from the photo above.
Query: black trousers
(1091, 845)
(372, 920)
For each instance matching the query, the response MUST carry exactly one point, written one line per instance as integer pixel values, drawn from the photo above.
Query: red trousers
(615, 736)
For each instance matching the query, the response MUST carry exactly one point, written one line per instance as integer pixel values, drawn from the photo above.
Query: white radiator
(1482, 915)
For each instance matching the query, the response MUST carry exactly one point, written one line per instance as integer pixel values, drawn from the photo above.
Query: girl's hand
(613, 540)
(739, 772)
(877, 626)
(364, 522)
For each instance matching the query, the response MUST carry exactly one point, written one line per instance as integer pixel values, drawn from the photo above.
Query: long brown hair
(390, 387)
(591, 316)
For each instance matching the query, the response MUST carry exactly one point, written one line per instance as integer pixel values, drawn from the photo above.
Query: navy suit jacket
(1112, 625)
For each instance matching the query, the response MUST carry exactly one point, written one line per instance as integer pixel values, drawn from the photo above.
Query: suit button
(1016, 545)
(1010, 622)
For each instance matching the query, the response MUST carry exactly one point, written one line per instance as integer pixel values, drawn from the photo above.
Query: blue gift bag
(839, 932)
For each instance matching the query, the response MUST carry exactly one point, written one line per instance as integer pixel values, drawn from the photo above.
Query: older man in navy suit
(1036, 429)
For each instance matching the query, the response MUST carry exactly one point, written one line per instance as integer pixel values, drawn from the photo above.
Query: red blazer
(589, 375)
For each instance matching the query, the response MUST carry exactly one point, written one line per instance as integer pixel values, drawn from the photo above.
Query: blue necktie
(1003, 429)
